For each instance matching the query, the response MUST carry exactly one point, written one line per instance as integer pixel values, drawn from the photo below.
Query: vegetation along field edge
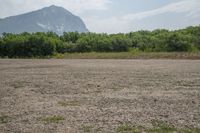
(160, 43)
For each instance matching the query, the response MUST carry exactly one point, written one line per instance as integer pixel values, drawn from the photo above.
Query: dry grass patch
(130, 55)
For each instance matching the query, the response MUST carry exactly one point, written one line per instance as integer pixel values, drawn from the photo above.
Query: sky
(114, 16)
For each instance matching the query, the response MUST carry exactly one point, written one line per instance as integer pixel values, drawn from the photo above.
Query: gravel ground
(74, 96)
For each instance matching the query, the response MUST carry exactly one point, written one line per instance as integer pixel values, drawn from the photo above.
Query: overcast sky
(114, 16)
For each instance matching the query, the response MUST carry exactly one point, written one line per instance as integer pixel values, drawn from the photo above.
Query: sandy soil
(97, 95)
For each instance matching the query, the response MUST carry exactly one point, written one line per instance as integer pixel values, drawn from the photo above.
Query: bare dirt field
(72, 96)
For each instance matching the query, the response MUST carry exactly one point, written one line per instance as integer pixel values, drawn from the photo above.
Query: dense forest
(47, 44)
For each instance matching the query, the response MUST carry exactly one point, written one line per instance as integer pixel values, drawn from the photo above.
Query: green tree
(176, 42)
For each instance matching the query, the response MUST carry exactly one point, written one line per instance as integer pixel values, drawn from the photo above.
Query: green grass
(161, 127)
(69, 103)
(130, 55)
(158, 127)
(52, 119)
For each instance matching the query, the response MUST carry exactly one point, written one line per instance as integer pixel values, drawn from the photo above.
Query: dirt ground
(75, 96)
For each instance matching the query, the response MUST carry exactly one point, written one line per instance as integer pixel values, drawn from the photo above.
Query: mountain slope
(53, 18)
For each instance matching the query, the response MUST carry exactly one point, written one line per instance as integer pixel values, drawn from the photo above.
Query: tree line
(42, 44)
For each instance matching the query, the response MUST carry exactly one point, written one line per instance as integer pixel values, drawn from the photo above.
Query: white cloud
(191, 7)
(14, 7)
(109, 25)
(130, 22)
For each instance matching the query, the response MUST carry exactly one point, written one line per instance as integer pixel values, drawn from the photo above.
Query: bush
(176, 43)
(47, 44)
(120, 44)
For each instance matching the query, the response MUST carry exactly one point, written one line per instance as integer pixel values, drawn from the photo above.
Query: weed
(86, 129)
(158, 127)
(4, 119)
(69, 103)
(115, 88)
(53, 119)
(129, 129)
(18, 85)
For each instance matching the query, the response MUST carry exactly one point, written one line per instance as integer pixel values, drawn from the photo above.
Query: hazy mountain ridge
(53, 18)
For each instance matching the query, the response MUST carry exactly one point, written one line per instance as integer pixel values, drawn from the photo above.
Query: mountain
(53, 18)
